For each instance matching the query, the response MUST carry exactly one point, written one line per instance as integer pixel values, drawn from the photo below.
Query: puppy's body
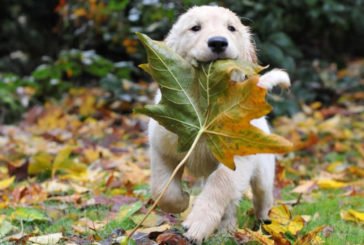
(204, 34)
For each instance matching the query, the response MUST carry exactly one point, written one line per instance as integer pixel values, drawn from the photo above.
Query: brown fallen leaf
(327, 231)
(249, 235)
(281, 180)
(168, 238)
(311, 238)
(85, 225)
(305, 187)
(356, 171)
(74, 198)
(161, 228)
(33, 193)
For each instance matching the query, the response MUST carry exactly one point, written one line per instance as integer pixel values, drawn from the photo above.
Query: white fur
(274, 78)
(215, 207)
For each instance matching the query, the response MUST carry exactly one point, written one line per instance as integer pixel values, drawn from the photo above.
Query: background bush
(52, 45)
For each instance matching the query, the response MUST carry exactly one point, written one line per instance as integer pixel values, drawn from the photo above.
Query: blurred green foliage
(52, 45)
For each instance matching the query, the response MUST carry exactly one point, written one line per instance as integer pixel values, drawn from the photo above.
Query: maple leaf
(282, 221)
(311, 237)
(204, 102)
(352, 215)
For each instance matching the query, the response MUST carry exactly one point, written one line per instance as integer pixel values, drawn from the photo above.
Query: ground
(76, 172)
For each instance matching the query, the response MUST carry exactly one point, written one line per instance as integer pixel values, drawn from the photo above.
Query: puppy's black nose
(217, 44)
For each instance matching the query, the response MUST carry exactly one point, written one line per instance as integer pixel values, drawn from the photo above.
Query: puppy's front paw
(200, 224)
(237, 76)
(273, 78)
(196, 232)
(228, 224)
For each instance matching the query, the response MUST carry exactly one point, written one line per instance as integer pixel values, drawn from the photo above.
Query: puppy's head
(208, 33)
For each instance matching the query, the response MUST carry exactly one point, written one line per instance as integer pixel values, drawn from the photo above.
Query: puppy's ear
(172, 39)
(249, 50)
(252, 52)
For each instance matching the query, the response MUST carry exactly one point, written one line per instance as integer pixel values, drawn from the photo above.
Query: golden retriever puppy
(204, 34)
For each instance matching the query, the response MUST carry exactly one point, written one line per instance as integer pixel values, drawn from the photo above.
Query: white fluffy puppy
(204, 34)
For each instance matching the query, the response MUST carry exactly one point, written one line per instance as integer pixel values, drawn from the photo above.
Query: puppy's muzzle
(217, 44)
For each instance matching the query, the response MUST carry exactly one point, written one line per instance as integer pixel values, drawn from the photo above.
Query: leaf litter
(103, 169)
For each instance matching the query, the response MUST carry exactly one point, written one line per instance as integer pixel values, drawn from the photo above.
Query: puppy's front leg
(223, 187)
(164, 160)
(174, 200)
(273, 78)
(262, 186)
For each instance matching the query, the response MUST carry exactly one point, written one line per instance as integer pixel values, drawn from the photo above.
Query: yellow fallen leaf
(255, 236)
(3, 169)
(281, 214)
(6, 183)
(330, 184)
(330, 125)
(282, 221)
(62, 157)
(91, 154)
(40, 162)
(71, 167)
(88, 106)
(49, 239)
(296, 224)
(275, 228)
(360, 149)
(53, 119)
(352, 215)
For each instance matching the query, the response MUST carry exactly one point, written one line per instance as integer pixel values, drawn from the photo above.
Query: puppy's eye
(231, 28)
(196, 28)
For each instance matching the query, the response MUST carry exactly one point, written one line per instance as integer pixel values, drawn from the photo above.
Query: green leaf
(28, 214)
(5, 228)
(178, 110)
(46, 71)
(203, 101)
(126, 211)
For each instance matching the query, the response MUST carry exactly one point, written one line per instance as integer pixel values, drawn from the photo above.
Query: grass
(324, 210)
(327, 211)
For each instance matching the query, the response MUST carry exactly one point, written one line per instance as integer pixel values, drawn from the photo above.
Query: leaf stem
(165, 187)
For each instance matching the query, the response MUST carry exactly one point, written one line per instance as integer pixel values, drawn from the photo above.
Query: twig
(165, 187)
(298, 201)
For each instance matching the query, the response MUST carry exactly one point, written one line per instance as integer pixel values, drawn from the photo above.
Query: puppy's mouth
(214, 57)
